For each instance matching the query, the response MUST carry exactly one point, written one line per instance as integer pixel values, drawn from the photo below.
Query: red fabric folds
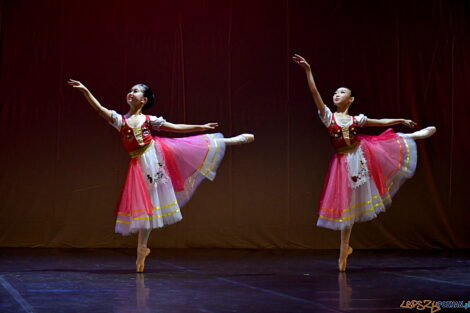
(134, 200)
(369, 143)
(336, 193)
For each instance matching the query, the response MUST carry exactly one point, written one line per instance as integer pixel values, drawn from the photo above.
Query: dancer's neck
(342, 109)
(134, 112)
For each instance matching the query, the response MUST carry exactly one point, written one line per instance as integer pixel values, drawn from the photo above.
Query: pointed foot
(343, 257)
(424, 133)
(142, 253)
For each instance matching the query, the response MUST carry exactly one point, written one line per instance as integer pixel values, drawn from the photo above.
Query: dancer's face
(136, 96)
(342, 96)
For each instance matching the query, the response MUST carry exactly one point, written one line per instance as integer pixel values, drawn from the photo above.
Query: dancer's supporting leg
(238, 140)
(421, 134)
(345, 249)
(142, 250)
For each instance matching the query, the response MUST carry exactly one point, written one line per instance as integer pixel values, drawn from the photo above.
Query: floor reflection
(141, 293)
(130, 302)
(345, 292)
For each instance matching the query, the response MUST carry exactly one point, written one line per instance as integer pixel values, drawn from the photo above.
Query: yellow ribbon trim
(213, 156)
(154, 209)
(353, 215)
(148, 218)
(207, 153)
(192, 180)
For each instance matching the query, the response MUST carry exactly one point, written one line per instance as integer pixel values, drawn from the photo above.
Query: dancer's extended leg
(422, 133)
(142, 250)
(238, 140)
(345, 249)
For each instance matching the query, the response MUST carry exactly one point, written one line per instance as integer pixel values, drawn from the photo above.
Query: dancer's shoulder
(156, 121)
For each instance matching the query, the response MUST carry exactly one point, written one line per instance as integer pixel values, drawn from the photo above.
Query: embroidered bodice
(343, 137)
(134, 138)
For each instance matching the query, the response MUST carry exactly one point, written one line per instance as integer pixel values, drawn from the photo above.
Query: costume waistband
(141, 150)
(347, 149)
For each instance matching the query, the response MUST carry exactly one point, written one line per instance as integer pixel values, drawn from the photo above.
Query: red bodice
(136, 138)
(344, 139)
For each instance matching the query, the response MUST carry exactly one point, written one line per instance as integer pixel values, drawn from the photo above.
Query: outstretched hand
(210, 126)
(301, 61)
(76, 84)
(409, 123)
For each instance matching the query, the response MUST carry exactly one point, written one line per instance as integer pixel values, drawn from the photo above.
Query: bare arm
(184, 128)
(389, 122)
(102, 111)
(311, 83)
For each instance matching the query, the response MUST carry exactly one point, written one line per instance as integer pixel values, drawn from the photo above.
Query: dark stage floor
(189, 280)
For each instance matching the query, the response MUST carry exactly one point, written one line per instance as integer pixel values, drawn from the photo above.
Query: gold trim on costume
(347, 149)
(345, 131)
(147, 218)
(213, 157)
(355, 214)
(207, 153)
(154, 209)
(192, 180)
(138, 134)
(407, 161)
(140, 151)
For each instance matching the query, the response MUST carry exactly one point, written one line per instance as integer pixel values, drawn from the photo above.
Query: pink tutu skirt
(361, 184)
(161, 180)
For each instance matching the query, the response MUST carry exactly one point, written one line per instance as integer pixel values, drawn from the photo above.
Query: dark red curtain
(62, 166)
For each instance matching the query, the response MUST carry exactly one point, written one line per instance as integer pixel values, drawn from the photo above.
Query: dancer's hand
(77, 84)
(409, 123)
(301, 61)
(105, 113)
(210, 126)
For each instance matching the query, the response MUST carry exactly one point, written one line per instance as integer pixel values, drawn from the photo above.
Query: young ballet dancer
(366, 171)
(163, 173)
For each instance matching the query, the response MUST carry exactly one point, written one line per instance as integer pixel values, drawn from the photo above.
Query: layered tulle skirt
(360, 184)
(161, 180)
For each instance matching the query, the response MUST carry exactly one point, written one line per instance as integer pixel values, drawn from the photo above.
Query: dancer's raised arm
(311, 83)
(105, 113)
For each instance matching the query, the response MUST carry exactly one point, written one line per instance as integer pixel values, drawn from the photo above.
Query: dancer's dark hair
(148, 93)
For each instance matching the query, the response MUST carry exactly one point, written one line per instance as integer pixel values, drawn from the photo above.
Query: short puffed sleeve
(156, 122)
(116, 120)
(361, 119)
(326, 117)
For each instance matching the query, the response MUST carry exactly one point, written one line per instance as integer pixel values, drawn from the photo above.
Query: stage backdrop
(62, 166)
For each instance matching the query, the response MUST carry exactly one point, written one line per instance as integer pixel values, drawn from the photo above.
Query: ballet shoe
(424, 133)
(240, 139)
(343, 257)
(142, 253)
